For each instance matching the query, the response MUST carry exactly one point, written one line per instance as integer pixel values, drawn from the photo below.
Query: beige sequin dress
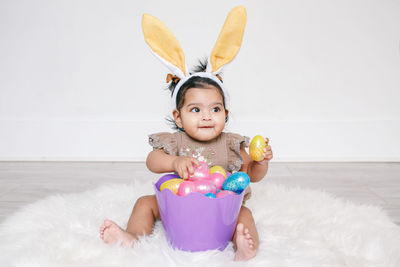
(223, 151)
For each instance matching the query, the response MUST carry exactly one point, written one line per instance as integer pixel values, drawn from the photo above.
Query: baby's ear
(177, 118)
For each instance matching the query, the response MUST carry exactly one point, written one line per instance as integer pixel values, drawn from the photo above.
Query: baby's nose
(206, 116)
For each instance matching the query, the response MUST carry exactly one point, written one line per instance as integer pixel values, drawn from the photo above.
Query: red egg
(217, 179)
(186, 188)
(205, 186)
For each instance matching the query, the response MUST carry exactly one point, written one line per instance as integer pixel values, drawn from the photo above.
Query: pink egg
(186, 188)
(205, 186)
(200, 172)
(223, 193)
(217, 179)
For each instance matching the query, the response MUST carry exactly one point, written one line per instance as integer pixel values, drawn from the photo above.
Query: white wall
(320, 78)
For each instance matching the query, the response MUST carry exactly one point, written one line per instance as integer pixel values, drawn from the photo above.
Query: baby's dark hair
(193, 82)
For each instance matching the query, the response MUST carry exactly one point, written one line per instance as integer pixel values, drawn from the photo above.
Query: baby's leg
(245, 239)
(144, 214)
(141, 222)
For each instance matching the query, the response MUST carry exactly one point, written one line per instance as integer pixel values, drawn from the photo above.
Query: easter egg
(172, 185)
(205, 186)
(217, 179)
(237, 182)
(223, 193)
(256, 148)
(164, 178)
(200, 172)
(210, 195)
(218, 169)
(186, 188)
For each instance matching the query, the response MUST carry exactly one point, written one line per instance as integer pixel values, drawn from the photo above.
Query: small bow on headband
(176, 79)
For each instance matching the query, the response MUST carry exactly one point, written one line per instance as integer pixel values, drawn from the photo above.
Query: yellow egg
(256, 148)
(218, 169)
(172, 185)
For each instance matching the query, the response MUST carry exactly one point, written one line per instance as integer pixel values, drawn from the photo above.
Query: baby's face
(203, 114)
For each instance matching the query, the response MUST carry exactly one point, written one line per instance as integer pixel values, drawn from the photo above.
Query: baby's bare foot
(111, 233)
(245, 248)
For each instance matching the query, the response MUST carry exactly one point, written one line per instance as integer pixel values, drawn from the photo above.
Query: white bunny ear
(229, 40)
(164, 45)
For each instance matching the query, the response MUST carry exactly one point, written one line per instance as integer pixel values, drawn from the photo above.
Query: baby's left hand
(267, 152)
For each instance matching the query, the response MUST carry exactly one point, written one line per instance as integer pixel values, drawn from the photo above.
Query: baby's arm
(160, 162)
(256, 169)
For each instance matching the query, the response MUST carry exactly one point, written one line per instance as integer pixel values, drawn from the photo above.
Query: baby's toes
(248, 236)
(251, 243)
(239, 228)
(103, 229)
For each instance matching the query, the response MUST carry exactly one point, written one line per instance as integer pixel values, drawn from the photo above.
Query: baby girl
(199, 116)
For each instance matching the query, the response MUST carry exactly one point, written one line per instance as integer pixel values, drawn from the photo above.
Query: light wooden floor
(364, 183)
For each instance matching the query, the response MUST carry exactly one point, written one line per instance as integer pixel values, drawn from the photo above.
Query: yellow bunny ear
(229, 40)
(164, 44)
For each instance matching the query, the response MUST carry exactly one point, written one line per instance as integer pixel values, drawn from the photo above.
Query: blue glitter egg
(237, 182)
(211, 195)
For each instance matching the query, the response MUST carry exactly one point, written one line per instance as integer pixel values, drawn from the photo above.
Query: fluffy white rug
(297, 227)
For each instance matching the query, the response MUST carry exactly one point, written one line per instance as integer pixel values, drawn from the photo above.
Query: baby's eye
(195, 110)
(216, 109)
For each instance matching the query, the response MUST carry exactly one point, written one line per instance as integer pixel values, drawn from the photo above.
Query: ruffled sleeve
(166, 141)
(234, 142)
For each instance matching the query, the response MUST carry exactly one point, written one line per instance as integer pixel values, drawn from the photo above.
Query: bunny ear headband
(166, 47)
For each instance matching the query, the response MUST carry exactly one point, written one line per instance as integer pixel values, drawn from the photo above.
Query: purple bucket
(196, 222)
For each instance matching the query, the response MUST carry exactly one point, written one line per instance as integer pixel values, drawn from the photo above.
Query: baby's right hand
(184, 166)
